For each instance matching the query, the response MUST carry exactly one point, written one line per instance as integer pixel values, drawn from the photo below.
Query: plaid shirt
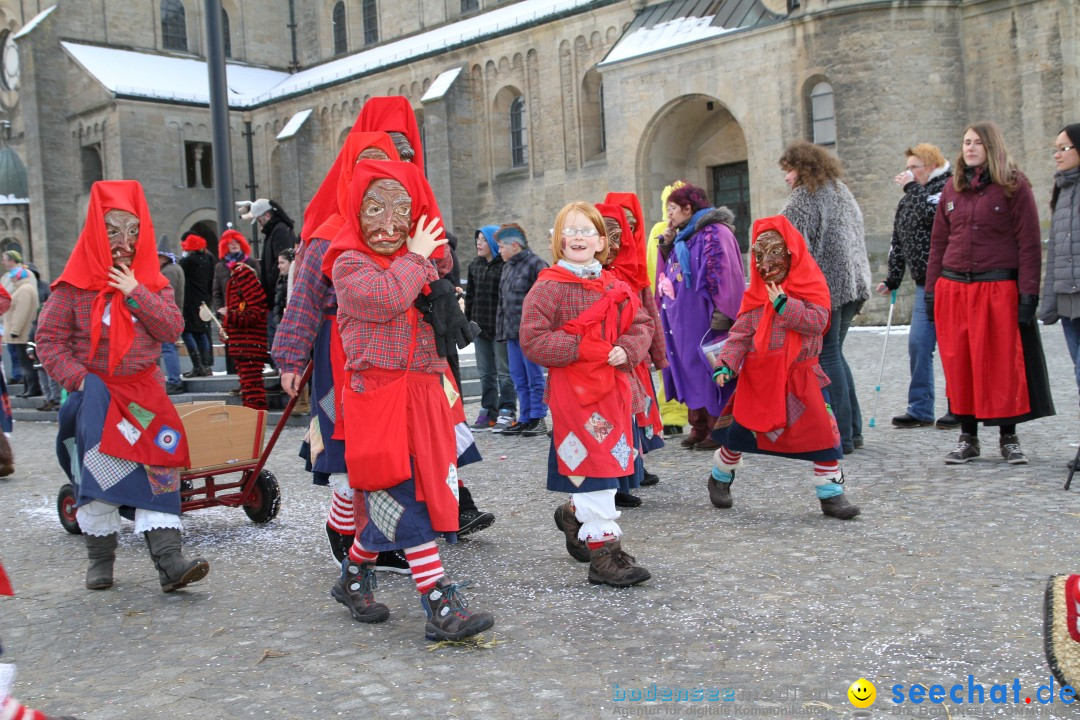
(804, 318)
(312, 297)
(482, 294)
(373, 316)
(550, 305)
(63, 334)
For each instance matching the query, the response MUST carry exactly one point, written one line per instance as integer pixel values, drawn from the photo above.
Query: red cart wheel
(265, 500)
(65, 508)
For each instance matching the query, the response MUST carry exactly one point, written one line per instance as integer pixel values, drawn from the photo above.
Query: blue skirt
(331, 460)
(557, 482)
(397, 520)
(97, 476)
(736, 437)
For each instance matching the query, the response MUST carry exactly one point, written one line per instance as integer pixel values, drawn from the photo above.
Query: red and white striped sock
(11, 709)
(425, 565)
(729, 457)
(827, 469)
(593, 544)
(340, 518)
(359, 555)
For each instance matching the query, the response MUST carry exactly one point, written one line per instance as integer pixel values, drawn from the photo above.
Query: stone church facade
(523, 105)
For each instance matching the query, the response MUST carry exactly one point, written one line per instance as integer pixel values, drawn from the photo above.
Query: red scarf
(365, 173)
(325, 213)
(392, 114)
(599, 327)
(90, 262)
(804, 282)
(629, 264)
(227, 237)
(639, 267)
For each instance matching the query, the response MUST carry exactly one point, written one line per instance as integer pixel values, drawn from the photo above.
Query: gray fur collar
(718, 216)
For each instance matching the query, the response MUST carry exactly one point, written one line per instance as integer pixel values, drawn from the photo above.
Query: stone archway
(697, 139)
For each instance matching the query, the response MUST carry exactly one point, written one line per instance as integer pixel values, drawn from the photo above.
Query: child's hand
(425, 237)
(775, 291)
(616, 357)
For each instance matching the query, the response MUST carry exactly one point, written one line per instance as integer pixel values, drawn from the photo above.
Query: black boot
(720, 492)
(566, 521)
(355, 589)
(339, 543)
(197, 368)
(838, 507)
(208, 362)
(449, 617)
(102, 552)
(174, 570)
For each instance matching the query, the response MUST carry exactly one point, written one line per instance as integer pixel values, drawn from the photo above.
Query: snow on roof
(293, 126)
(162, 77)
(34, 22)
(12, 200)
(662, 36)
(441, 85)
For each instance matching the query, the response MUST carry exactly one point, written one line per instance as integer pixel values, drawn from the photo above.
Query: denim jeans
(16, 366)
(198, 345)
(921, 343)
(171, 358)
(49, 387)
(1072, 340)
(496, 386)
(529, 383)
(845, 404)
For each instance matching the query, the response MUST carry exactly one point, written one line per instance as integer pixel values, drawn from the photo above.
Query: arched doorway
(695, 138)
(207, 229)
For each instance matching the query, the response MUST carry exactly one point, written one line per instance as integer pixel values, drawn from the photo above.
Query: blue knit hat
(489, 235)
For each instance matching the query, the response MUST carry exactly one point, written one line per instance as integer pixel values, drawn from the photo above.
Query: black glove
(929, 302)
(441, 310)
(1025, 313)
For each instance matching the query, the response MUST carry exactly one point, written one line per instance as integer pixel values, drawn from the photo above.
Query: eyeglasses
(1064, 149)
(569, 232)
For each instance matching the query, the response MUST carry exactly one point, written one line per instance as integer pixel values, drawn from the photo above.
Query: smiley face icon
(862, 693)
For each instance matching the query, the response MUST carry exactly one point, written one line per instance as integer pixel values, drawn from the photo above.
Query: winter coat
(482, 294)
(277, 236)
(832, 224)
(985, 229)
(1063, 250)
(245, 322)
(198, 270)
(175, 275)
(517, 279)
(281, 296)
(914, 222)
(23, 312)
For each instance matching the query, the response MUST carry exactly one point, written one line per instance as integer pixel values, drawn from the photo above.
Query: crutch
(884, 348)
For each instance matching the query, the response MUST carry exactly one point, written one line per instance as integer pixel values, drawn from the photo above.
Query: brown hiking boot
(449, 617)
(838, 507)
(610, 565)
(720, 492)
(566, 521)
(355, 589)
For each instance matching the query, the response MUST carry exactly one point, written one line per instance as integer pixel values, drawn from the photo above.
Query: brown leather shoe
(707, 444)
(566, 521)
(610, 565)
(692, 439)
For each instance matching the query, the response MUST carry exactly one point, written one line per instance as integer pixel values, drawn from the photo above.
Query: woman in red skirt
(982, 290)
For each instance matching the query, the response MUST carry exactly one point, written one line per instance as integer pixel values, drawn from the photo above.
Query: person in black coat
(198, 266)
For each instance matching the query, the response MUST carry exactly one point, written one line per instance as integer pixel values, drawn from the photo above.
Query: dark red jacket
(975, 231)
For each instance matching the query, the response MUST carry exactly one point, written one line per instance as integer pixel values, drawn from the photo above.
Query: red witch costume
(120, 439)
(630, 267)
(779, 407)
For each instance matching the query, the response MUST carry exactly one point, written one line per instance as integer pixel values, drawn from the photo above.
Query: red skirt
(979, 340)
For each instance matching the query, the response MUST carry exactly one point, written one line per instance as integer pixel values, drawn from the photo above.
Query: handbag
(761, 400)
(377, 449)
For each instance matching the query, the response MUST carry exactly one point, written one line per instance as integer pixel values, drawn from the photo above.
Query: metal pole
(219, 115)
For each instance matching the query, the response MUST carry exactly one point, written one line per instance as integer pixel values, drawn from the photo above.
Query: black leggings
(971, 427)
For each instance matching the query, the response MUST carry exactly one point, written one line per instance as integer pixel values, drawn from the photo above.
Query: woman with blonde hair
(982, 290)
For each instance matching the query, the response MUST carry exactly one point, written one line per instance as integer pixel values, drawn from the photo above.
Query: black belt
(984, 276)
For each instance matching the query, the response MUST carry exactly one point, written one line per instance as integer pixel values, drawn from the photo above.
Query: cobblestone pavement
(940, 578)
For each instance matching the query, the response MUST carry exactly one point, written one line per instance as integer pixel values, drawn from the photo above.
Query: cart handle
(264, 456)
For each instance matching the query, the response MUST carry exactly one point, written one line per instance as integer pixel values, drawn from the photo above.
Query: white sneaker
(504, 421)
